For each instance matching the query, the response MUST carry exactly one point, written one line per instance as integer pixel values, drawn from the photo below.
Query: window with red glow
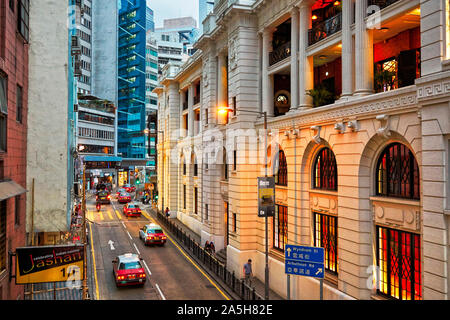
(325, 236)
(280, 227)
(325, 171)
(281, 173)
(398, 255)
(397, 173)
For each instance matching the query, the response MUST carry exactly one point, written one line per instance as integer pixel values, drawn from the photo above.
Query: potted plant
(321, 96)
(384, 80)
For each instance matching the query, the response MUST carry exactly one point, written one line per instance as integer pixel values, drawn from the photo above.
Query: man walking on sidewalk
(248, 273)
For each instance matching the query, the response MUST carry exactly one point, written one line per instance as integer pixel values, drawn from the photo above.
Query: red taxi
(152, 234)
(129, 188)
(124, 198)
(128, 270)
(132, 210)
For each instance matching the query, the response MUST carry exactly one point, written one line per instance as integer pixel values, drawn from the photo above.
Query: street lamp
(223, 114)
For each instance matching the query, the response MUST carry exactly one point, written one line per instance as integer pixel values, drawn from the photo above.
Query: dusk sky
(167, 9)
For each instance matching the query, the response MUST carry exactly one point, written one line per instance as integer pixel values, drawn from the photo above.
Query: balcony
(280, 53)
(380, 3)
(325, 29)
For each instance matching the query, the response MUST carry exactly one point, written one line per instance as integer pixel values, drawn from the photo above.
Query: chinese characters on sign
(304, 261)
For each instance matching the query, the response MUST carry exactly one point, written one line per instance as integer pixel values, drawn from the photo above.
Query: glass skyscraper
(131, 79)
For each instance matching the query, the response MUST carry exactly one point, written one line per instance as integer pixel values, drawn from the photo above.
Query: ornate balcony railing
(325, 29)
(380, 3)
(280, 53)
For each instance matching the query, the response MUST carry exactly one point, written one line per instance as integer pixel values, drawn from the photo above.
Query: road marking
(124, 225)
(93, 261)
(134, 244)
(160, 292)
(146, 267)
(146, 214)
(101, 216)
(118, 215)
(129, 235)
(192, 262)
(110, 216)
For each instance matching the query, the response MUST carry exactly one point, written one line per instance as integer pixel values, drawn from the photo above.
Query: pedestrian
(207, 246)
(167, 212)
(248, 273)
(212, 247)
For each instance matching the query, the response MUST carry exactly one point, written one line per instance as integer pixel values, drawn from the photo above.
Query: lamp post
(223, 111)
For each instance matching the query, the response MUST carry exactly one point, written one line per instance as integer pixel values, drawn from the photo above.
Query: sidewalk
(256, 283)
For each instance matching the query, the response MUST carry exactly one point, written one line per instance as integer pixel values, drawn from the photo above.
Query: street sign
(304, 261)
(49, 264)
(266, 196)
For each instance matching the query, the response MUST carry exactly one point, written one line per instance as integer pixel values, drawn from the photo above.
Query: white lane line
(129, 235)
(124, 225)
(160, 292)
(146, 267)
(134, 244)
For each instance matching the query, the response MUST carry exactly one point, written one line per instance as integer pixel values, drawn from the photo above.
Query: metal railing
(208, 261)
(380, 3)
(325, 29)
(280, 53)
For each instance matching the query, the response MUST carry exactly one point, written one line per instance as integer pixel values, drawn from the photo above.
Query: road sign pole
(288, 287)
(321, 289)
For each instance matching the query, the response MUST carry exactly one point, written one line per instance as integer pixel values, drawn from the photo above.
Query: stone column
(347, 50)
(267, 82)
(222, 87)
(182, 133)
(294, 58)
(191, 110)
(363, 52)
(306, 66)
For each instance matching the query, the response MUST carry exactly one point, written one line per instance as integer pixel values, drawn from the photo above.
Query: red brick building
(13, 131)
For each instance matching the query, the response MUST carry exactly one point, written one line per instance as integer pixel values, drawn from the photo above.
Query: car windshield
(132, 206)
(155, 231)
(103, 193)
(130, 265)
(124, 194)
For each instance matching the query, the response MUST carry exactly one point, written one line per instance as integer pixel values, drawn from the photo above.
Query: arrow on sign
(319, 271)
(289, 251)
(111, 244)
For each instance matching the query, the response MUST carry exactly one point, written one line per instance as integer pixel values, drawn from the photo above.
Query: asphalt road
(171, 274)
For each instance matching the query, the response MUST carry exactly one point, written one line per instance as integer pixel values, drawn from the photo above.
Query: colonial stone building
(356, 95)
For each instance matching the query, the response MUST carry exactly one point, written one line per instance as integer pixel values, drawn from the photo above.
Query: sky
(168, 9)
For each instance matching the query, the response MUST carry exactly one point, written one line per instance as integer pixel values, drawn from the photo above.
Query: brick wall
(14, 53)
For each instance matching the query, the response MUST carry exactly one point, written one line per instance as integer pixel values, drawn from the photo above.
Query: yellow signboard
(49, 264)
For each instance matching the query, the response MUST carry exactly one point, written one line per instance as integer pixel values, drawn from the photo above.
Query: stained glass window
(280, 228)
(281, 169)
(325, 236)
(398, 255)
(325, 171)
(397, 173)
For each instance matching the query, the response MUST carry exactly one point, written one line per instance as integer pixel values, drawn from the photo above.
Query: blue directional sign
(304, 261)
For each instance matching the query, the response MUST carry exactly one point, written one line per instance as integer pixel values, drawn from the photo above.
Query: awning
(102, 159)
(10, 189)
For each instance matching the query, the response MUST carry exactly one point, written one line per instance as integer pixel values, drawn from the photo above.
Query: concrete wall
(47, 156)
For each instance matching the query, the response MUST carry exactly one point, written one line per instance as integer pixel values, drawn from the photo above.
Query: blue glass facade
(150, 20)
(132, 50)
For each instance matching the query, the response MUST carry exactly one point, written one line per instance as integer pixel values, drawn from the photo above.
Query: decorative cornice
(433, 87)
(381, 103)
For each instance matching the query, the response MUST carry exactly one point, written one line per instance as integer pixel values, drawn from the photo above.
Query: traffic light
(138, 181)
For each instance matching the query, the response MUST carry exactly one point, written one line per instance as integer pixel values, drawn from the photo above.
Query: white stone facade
(234, 69)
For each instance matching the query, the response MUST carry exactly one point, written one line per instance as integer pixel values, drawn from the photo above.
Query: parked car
(132, 210)
(152, 234)
(128, 270)
(124, 198)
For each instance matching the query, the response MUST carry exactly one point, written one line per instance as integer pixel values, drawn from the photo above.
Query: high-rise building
(204, 8)
(132, 120)
(175, 40)
(150, 20)
(84, 33)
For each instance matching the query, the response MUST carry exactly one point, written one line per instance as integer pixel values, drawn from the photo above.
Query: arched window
(280, 169)
(325, 170)
(397, 173)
